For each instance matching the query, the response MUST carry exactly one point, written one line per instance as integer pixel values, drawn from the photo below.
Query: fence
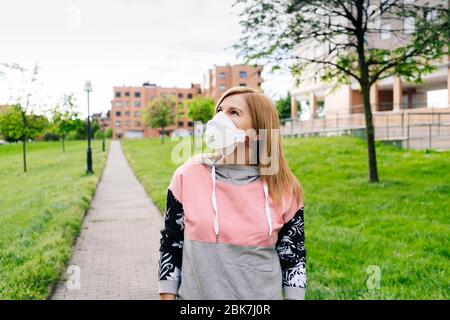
(408, 129)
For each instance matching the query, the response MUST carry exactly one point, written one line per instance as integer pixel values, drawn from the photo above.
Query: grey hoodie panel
(220, 271)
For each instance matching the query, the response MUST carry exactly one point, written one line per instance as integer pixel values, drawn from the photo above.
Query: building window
(180, 123)
(164, 94)
(117, 94)
(189, 95)
(242, 84)
(137, 114)
(137, 123)
(118, 113)
(137, 103)
(222, 76)
(409, 25)
(242, 74)
(174, 94)
(127, 103)
(431, 14)
(117, 123)
(190, 124)
(127, 123)
(180, 96)
(118, 104)
(127, 113)
(127, 94)
(386, 31)
(222, 88)
(137, 94)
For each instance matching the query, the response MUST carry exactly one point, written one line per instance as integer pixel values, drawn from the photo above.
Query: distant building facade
(221, 78)
(128, 102)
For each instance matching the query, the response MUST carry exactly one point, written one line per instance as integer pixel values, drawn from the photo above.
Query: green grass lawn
(41, 212)
(401, 225)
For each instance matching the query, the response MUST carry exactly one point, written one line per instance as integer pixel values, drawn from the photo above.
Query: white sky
(120, 42)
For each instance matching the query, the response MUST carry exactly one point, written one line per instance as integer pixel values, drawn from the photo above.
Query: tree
(200, 109)
(65, 118)
(344, 30)
(21, 122)
(108, 133)
(15, 125)
(284, 106)
(160, 113)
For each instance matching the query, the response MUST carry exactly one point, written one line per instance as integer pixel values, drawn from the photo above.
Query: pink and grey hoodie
(223, 238)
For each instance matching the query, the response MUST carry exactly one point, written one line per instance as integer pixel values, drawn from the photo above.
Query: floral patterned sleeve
(292, 254)
(171, 246)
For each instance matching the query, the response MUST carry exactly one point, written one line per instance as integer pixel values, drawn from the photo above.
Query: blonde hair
(265, 116)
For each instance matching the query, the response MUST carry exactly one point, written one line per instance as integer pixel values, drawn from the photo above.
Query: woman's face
(237, 110)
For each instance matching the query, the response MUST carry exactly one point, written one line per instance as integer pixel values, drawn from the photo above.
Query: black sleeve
(171, 243)
(292, 253)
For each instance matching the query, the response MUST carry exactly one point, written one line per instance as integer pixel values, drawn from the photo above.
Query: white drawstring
(268, 213)
(214, 204)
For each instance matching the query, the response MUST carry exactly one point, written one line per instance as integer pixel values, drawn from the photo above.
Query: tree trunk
(24, 152)
(371, 150)
(64, 147)
(365, 84)
(162, 135)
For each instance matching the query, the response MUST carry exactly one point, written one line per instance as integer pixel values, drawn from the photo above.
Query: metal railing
(410, 129)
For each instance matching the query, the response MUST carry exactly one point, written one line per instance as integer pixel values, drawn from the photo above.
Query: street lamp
(103, 122)
(88, 88)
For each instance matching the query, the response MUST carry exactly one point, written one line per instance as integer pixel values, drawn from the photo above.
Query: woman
(234, 230)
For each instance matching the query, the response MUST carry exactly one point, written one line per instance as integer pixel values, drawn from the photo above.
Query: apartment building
(128, 102)
(220, 78)
(388, 95)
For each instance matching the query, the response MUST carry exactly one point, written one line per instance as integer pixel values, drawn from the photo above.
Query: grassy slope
(400, 225)
(41, 212)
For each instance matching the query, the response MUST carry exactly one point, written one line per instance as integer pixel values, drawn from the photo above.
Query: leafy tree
(99, 135)
(20, 121)
(65, 118)
(81, 129)
(200, 108)
(108, 133)
(15, 125)
(284, 106)
(160, 113)
(285, 33)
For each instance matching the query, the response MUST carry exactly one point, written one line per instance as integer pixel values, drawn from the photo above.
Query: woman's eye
(235, 112)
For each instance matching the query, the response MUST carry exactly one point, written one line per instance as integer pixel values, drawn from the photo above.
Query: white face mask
(222, 134)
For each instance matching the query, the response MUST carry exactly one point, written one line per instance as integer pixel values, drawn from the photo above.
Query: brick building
(128, 103)
(220, 78)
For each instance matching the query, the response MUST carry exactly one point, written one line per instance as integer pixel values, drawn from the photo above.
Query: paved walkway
(116, 254)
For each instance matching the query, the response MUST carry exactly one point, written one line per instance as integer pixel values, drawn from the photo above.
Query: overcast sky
(120, 42)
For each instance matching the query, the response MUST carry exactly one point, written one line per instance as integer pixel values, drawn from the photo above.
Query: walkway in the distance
(116, 254)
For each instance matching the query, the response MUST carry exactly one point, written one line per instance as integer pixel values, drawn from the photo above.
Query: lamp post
(103, 121)
(88, 88)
